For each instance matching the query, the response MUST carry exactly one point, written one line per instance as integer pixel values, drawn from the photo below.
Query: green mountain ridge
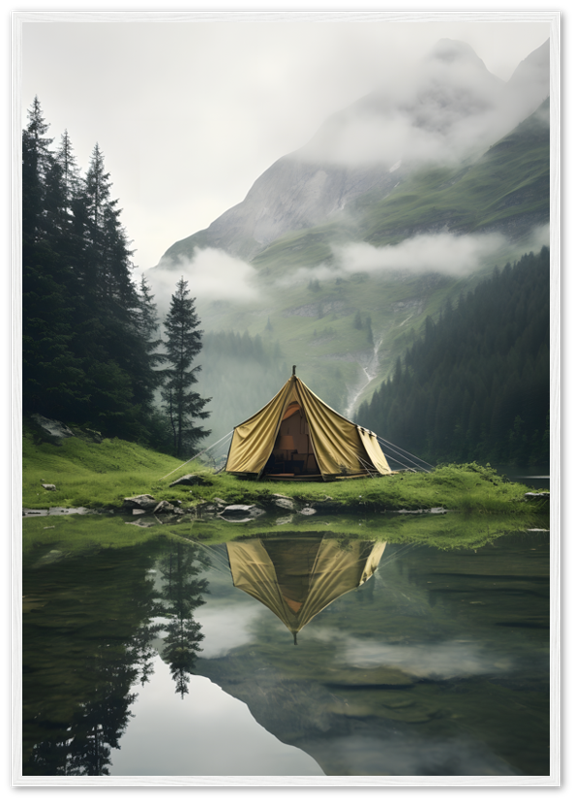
(312, 319)
(363, 252)
(449, 110)
(506, 190)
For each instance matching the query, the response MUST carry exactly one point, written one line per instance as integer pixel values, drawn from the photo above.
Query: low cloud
(445, 253)
(446, 108)
(214, 275)
(540, 237)
(441, 660)
(211, 274)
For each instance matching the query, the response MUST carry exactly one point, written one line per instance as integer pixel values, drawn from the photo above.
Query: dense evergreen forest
(475, 386)
(91, 350)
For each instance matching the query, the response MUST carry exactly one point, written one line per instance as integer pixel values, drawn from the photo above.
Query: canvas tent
(296, 578)
(296, 435)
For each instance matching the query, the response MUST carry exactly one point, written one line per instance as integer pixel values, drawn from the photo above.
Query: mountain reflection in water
(413, 660)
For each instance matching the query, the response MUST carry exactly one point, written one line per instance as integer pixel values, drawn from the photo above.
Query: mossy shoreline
(98, 476)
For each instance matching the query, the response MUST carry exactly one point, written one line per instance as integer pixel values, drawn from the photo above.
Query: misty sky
(189, 112)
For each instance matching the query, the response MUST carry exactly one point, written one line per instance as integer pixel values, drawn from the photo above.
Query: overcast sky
(189, 112)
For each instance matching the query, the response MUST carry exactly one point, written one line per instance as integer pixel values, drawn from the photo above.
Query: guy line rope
(197, 455)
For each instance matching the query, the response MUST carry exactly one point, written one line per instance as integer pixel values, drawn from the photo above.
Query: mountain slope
(348, 256)
(377, 263)
(451, 109)
(505, 190)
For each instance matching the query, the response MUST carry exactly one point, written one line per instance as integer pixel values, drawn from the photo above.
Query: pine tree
(70, 173)
(97, 189)
(148, 335)
(36, 162)
(149, 322)
(106, 264)
(53, 377)
(183, 344)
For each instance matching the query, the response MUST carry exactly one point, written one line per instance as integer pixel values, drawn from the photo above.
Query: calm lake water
(295, 654)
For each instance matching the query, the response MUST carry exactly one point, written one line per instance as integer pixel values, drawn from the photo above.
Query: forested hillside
(475, 386)
(91, 349)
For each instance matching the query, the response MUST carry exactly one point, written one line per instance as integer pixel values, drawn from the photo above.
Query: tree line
(475, 385)
(91, 352)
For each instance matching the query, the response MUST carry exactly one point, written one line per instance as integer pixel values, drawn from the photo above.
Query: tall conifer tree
(183, 344)
(36, 162)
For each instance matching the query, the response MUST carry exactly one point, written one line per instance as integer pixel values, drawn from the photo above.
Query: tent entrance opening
(293, 452)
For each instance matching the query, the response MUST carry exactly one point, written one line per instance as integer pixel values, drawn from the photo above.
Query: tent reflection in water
(297, 436)
(298, 577)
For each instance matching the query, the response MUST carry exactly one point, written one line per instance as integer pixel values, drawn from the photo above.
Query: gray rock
(55, 511)
(96, 435)
(56, 429)
(206, 508)
(142, 501)
(237, 509)
(284, 502)
(192, 480)
(256, 512)
(163, 507)
(308, 511)
(241, 513)
(50, 487)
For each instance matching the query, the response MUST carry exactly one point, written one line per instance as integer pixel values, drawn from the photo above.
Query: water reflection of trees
(94, 626)
(180, 596)
(89, 638)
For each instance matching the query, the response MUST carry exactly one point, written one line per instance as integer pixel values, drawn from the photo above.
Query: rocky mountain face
(342, 249)
(448, 111)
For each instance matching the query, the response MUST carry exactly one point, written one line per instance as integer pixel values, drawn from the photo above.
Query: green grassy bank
(100, 475)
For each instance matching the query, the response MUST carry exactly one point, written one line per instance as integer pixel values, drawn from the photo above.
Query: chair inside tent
(297, 436)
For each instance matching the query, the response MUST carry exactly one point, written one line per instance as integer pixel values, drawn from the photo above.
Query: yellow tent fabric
(325, 442)
(298, 578)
